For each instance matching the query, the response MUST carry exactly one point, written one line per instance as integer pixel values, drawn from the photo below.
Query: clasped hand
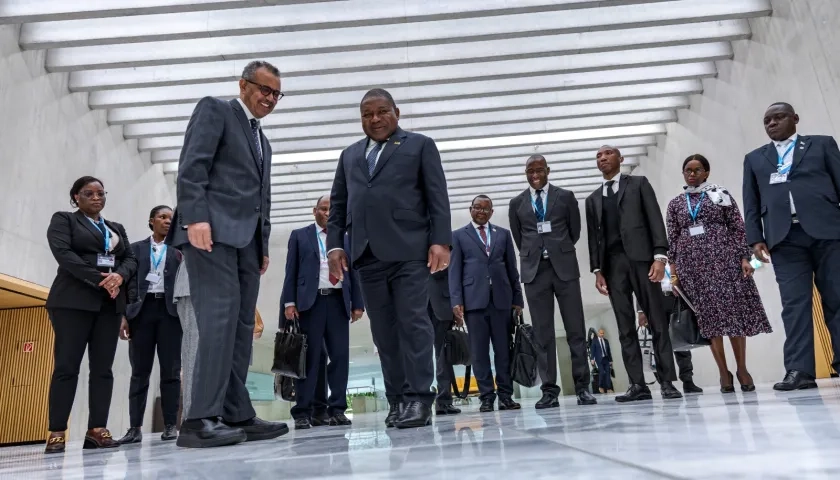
(111, 283)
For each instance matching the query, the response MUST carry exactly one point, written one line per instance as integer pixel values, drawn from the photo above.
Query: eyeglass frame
(697, 171)
(276, 93)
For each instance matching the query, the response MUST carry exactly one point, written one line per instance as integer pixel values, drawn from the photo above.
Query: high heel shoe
(746, 387)
(728, 388)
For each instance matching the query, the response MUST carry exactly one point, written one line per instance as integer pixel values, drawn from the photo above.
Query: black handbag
(456, 347)
(290, 351)
(685, 335)
(524, 354)
(284, 388)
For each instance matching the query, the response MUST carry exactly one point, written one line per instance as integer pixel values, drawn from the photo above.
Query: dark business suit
(153, 324)
(487, 286)
(440, 313)
(223, 179)
(800, 252)
(557, 276)
(83, 315)
(393, 216)
(625, 232)
(325, 319)
(683, 358)
(603, 359)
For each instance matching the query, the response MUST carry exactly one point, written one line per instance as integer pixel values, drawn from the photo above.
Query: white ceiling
(492, 81)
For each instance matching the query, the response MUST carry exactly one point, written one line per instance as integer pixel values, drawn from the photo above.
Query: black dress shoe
(586, 398)
(795, 380)
(690, 387)
(395, 409)
(670, 392)
(447, 409)
(302, 424)
(320, 420)
(133, 435)
(340, 420)
(634, 394)
(507, 403)
(416, 414)
(208, 432)
(169, 433)
(257, 429)
(487, 405)
(547, 401)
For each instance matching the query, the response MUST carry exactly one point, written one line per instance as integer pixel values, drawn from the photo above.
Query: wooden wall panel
(822, 340)
(25, 370)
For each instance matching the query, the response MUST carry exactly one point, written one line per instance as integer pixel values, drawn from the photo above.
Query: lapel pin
(396, 143)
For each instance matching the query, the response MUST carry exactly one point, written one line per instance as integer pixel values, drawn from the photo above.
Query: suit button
(368, 185)
(257, 209)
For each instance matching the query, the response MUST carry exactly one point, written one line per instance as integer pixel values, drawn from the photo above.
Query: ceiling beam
(412, 57)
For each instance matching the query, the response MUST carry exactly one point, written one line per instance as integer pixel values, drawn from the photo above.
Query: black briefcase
(524, 354)
(290, 351)
(685, 335)
(456, 347)
(284, 388)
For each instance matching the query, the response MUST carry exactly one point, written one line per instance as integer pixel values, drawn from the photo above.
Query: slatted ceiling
(493, 82)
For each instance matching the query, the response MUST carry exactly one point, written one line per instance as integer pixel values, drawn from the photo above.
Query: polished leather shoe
(320, 420)
(257, 429)
(487, 406)
(169, 433)
(133, 435)
(507, 403)
(547, 401)
(99, 438)
(208, 432)
(746, 385)
(416, 414)
(302, 424)
(395, 409)
(56, 442)
(634, 394)
(669, 391)
(340, 420)
(447, 409)
(586, 398)
(690, 387)
(795, 380)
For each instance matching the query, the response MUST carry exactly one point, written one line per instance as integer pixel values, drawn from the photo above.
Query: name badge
(103, 260)
(543, 227)
(776, 178)
(153, 278)
(695, 230)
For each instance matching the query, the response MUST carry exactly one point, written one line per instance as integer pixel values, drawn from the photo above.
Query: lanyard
(693, 212)
(156, 261)
(540, 218)
(105, 232)
(321, 246)
(487, 232)
(782, 167)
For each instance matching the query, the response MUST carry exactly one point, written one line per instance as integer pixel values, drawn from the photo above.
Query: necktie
(539, 208)
(371, 158)
(484, 239)
(609, 186)
(255, 137)
(603, 348)
(333, 280)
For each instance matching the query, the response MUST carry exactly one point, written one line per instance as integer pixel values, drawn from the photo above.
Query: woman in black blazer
(85, 305)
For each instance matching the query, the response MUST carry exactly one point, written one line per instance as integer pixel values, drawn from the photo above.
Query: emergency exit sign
(28, 347)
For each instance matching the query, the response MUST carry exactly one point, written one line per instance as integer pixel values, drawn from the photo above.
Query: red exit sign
(28, 347)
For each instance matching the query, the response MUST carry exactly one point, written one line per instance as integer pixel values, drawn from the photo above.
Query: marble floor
(763, 435)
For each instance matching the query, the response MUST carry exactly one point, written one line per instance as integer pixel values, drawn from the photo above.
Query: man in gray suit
(545, 224)
(224, 202)
(390, 194)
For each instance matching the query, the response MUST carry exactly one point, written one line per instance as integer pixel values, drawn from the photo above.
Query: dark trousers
(154, 328)
(444, 372)
(800, 261)
(224, 285)
(541, 294)
(604, 377)
(326, 324)
(624, 278)
(320, 402)
(683, 359)
(76, 330)
(487, 326)
(396, 297)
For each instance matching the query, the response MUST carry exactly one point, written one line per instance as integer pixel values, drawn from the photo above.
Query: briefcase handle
(292, 326)
(516, 318)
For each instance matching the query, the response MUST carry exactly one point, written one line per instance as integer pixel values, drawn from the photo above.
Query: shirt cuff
(596, 270)
(292, 304)
(334, 249)
(663, 258)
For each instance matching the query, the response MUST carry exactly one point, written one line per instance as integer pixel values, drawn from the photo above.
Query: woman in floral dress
(710, 263)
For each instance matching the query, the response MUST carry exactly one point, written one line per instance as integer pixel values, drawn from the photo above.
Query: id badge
(106, 261)
(695, 230)
(543, 227)
(153, 278)
(777, 178)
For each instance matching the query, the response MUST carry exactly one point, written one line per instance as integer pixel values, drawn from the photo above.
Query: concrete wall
(791, 57)
(48, 138)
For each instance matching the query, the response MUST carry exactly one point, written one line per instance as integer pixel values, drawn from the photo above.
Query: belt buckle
(324, 291)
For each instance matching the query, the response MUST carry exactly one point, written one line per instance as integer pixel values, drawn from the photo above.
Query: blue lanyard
(105, 232)
(321, 244)
(487, 231)
(693, 212)
(540, 218)
(782, 167)
(156, 261)
(668, 272)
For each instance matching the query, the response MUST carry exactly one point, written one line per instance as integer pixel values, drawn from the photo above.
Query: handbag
(290, 351)
(524, 354)
(284, 388)
(685, 334)
(456, 347)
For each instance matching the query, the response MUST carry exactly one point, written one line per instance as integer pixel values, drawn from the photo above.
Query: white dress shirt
(324, 271)
(616, 178)
(780, 150)
(371, 144)
(603, 346)
(486, 232)
(250, 116)
(159, 286)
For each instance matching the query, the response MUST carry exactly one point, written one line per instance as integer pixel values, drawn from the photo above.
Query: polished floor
(763, 435)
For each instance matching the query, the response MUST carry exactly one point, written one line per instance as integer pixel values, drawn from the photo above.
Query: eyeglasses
(91, 194)
(696, 171)
(267, 91)
(480, 210)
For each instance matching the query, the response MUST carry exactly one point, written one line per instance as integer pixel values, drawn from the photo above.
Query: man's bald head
(609, 147)
(780, 121)
(536, 170)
